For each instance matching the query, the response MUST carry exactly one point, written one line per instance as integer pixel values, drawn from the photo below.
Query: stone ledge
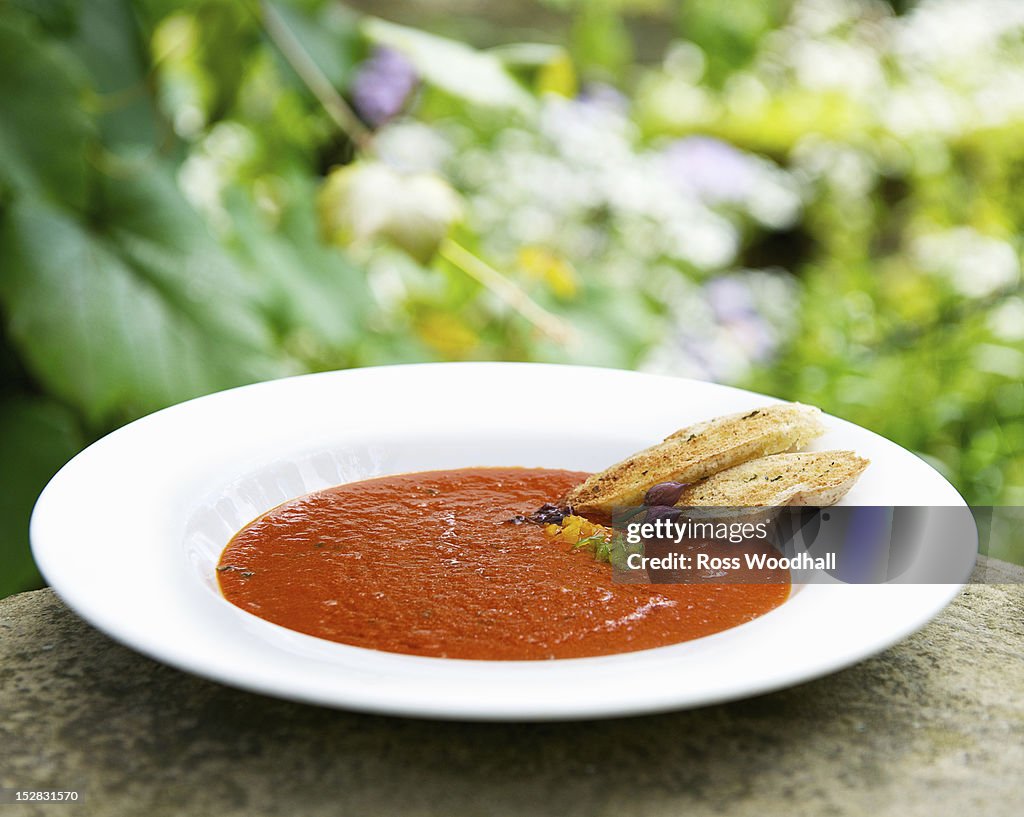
(932, 726)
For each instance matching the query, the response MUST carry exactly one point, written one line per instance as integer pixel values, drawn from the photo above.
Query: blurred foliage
(816, 198)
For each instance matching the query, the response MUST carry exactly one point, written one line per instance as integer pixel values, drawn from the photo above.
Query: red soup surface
(427, 564)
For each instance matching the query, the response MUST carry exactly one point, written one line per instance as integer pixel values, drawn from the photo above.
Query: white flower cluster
(581, 184)
(975, 264)
(948, 67)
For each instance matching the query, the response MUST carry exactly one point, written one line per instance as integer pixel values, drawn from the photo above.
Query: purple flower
(603, 95)
(729, 299)
(382, 85)
(737, 312)
(713, 170)
(755, 337)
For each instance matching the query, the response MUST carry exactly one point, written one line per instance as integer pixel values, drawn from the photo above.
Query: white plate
(129, 531)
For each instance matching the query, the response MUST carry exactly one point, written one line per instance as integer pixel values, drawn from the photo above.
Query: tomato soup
(428, 564)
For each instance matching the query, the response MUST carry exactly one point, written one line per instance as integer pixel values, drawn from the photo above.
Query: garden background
(819, 199)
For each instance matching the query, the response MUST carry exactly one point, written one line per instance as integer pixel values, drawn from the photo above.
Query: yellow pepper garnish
(574, 529)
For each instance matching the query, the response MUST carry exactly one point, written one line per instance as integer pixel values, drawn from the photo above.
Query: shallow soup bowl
(129, 533)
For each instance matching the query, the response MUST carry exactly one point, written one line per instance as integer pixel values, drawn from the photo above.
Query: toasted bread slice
(812, 478)
(696, 452)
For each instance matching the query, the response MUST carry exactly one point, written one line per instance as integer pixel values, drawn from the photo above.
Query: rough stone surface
(933, 726)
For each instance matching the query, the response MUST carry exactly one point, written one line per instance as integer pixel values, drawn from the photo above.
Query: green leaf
(314, 291)
(109, 45)
(37, 437)
(462, 71)
(228, 34)
(547, 68)
(124, 319)
(329, 34)
(168, 246)
(730, 41)
(600, 39)
(44, 132)
(57, 17)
